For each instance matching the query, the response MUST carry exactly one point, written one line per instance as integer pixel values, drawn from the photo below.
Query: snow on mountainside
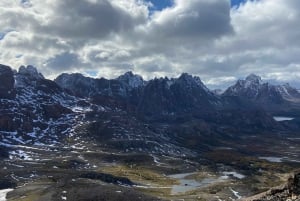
(88, 87)
(33, 113)
(132, 80)
(289, 93)
(180, 94)
(37, 111)
(40, 113)
(249, 87)
(255, 89)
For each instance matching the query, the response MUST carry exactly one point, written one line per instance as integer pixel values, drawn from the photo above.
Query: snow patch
(236, 194)
(234, 174)
(20, 154)
(3, 194)
(272, 159)
(278, 118)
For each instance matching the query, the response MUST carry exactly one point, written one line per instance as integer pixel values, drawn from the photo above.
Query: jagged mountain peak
(190, 80)
(131, 79)
(30, 71)
(269, 96)
(254, 78)
(65, 78)
(185, 76)
(129, 73)
(248, 87)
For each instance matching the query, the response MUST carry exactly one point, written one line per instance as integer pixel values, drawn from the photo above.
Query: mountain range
(176, 117)
(183, 94)
(29, 102)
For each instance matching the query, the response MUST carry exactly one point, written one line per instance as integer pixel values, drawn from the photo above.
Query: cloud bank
(208, 38)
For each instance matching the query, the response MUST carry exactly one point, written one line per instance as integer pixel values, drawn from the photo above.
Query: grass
(140, 175)
(155, 184)
(33, 191)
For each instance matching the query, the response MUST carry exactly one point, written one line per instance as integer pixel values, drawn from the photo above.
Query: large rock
(289, 191)
(7, 123)
(7, 82)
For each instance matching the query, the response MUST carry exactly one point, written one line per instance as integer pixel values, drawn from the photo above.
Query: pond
(277, 118)
(191, 184)
(272, 159)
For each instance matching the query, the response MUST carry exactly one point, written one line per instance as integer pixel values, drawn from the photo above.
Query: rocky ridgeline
(272, 98)
(30, 103)
(33, 110)
(287, 192)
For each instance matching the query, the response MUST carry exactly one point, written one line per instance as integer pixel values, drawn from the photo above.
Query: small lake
(192, 184)
(278, 118)
(272, 159)
(280, 159)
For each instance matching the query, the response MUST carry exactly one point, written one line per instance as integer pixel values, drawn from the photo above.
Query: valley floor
(83, 170)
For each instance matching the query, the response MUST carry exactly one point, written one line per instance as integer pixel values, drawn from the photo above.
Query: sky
(218, 40)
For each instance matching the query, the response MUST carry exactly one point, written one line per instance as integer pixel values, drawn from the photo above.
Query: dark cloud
(195, 20)
(63, 62)
(87, 19)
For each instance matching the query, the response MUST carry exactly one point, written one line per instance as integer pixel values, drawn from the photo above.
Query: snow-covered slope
(89, 87)
(255, 89)
(249, 87)
(41, 113)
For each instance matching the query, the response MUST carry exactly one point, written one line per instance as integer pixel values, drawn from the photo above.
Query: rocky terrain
(288, 191)
(80, 138)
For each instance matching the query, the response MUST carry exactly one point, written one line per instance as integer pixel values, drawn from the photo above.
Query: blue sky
(236, 2)
(161, 4)
(1, 35)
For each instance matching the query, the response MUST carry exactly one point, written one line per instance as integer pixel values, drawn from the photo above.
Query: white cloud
(203, 37)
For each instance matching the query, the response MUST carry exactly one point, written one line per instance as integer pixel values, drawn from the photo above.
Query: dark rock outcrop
(6, 183)
(55, 110)
(3, 153)
(82, 86)
(7, 82)
(108, 178)
(184, 95)
(288, 191)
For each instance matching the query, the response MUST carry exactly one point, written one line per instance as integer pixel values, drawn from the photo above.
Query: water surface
(283, 118)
